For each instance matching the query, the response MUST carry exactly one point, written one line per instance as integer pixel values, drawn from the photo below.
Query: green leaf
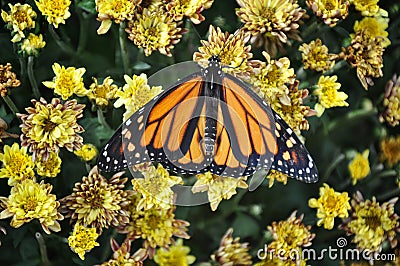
(244, 226)
(18, 235)
(29, 248)
(88, 6)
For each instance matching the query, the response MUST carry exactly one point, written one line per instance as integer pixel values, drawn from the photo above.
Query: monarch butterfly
(209, 121)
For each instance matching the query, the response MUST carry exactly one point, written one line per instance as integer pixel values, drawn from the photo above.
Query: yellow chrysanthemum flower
(17, 164)
(188, 8)
(390, 150)
(290, 236)
(231, 49)
(329, 10)
(328, 94)
(218, 187)
(135, 93)
(19, 18)
(8, 79)
(271, 79)
(50, 126)
(101, 94)
(29, 200)
(32, 44)
(114, 10)
(330, 204)
(372, 223)
(177, 254)
(122, 255)
(155, 188)
(231, 251)
(98, 202)
(368, 8)
(294, 112)
(271, 22)
(316, 56)
(67, 81)
(87, 152)
(359, 166)
(56, 11)
(391, 102)
(154, 30)
(82, 240)
(278, 176)
(366, 55)
(49, 168)
(375, 27)
(155, 226)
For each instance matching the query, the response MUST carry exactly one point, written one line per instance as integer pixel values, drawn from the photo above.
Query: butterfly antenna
(197, 33)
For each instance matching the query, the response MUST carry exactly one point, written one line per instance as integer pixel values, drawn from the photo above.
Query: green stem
(11, 104)
(351, 117)
(381, 174)
(65, 47)
(107, 253)
(101, 119)
(83, 25)
(331, 167)
(31, 77)
(22, 65)
(42, 248)
(124, 50)
(386, 173)
(313, 24)
(390, 194)
(344, 184)
(88, 168)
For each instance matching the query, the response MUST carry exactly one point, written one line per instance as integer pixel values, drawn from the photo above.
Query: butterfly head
(213, 68)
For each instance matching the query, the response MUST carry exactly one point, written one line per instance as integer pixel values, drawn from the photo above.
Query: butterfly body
(209, 121)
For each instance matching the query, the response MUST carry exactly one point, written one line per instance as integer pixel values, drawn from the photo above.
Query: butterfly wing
(245, 140)
(168, 130)
(252, 136)
(291, 157)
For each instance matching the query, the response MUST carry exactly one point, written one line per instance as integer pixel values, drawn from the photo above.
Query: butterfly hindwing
(291, 157)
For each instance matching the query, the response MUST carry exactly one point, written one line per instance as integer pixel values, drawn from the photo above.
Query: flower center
(394, 149)
(101, 92)
(16, 162)
(3, 76)
(96, 199)
(49, 125)
(153, 34)
(331, 203)
(30, 204)
(373, 221)
(20, 16)
(330, 5)
(268, 13)
(153, 221)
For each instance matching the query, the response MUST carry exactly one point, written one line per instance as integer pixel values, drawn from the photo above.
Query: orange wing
(245, 132)
(169, 130)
